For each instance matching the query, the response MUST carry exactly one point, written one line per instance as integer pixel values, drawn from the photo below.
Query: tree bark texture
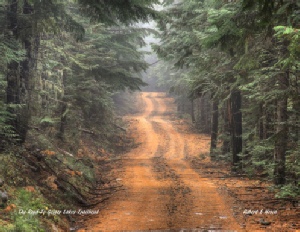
(281, 133)
(12, 77)
(19, 73)
(26, 67)
(226, 128)
(203, 117)
(193, 111)
(236, 125)
(12, 96)
(63, 112)
(214, 127)
(261, 125)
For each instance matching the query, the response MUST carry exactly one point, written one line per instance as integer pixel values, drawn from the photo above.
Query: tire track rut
(161, 191)
(177, 204)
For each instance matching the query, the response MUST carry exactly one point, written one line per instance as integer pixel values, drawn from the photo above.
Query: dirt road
(161, 191)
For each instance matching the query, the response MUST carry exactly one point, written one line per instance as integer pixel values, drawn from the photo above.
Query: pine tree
(29, 22)
(229, 49)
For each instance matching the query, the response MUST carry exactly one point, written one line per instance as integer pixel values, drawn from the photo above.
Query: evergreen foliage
(61, 63)
(245, 55)
(69, 66)
(125, 11)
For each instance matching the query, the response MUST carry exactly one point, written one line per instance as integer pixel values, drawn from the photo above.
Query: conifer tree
(27, 22)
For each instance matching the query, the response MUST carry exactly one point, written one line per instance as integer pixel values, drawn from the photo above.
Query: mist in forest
(77, 132)
(151, 58)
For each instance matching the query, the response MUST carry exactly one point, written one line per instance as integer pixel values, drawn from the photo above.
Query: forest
(238, 62)
(82, 95)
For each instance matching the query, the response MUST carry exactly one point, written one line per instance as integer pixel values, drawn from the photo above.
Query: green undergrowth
(29, 211)
(57, 182)
(45, 175)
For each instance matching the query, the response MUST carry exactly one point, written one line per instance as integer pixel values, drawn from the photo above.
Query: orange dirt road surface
(161, 191)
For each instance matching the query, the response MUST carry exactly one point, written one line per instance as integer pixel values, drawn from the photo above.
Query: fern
(6, 130)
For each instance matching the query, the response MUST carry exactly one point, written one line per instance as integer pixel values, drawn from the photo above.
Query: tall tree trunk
(296, 108)
(205, 114)
(64, 108)
(26, 87)
(202, 113)
(12, 90)
(261, 125)
(236, 126)
(208, 119)
(281, 133)
(226, 128)
(193, 111)
(13, 67)
(18, 74)
(214, 127)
